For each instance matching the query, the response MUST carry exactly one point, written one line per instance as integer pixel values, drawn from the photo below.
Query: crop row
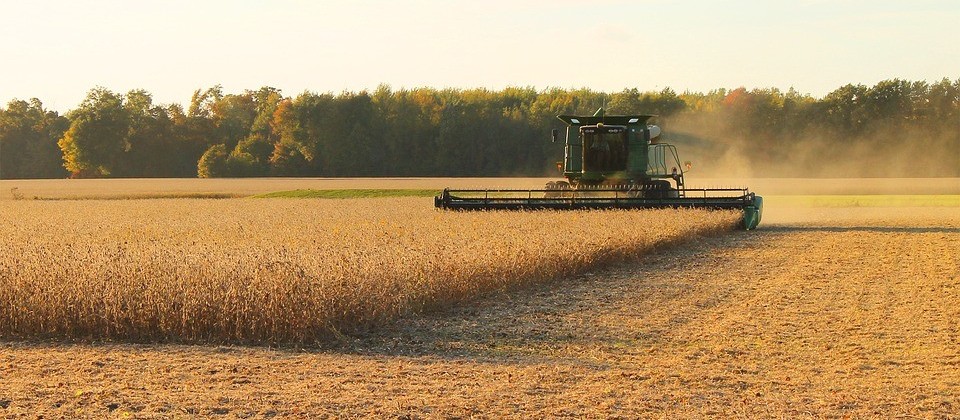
(278, 271)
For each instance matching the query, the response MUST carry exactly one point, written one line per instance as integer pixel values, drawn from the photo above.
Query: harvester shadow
(576, 320)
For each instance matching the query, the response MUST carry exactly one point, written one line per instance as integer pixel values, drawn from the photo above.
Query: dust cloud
(719, 149)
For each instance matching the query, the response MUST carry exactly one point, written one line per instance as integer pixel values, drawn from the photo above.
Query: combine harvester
(612, 162)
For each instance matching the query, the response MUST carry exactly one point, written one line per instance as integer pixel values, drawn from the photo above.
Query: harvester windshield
(604, 148)
(663, 160)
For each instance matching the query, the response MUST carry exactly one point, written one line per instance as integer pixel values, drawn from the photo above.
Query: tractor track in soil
(855, 316)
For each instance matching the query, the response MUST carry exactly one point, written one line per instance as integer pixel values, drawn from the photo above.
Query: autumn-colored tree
(97, 136)
(893, 128)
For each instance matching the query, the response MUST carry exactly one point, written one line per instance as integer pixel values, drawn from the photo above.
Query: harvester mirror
(555, 134)
(687, 165)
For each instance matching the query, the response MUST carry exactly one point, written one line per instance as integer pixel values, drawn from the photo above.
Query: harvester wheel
(550, 187)
(565, 188)
(658, 189)
(556, 189)
(634, 190)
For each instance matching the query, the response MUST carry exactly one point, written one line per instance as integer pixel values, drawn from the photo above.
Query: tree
(151, 137)
(28, 141)
(251, 157)
(894, 128)
(213, 163)
(97, 135)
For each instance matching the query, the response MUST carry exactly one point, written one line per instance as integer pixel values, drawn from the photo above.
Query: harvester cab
(622, 151)
(612, 162)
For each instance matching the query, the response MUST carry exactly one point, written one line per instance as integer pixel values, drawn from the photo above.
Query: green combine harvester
(612, 162)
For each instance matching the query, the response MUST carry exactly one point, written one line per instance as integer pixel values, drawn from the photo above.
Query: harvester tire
(658, 189)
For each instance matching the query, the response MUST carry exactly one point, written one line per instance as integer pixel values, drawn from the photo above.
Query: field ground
(822, 312)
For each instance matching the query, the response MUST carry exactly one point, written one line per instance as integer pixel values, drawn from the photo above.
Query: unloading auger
(612, 162)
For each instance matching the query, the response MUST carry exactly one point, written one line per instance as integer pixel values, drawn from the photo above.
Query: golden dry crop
(845, 313)
(287, 271)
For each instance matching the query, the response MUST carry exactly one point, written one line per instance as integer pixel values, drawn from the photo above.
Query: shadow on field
(877, 229)
(630, 307)
(635, 306)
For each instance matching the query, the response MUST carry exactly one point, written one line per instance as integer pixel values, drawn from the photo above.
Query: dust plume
(721, 148)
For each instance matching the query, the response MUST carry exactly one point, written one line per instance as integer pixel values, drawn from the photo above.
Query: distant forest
(896, 128)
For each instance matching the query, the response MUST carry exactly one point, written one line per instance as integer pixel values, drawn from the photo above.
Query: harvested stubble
(282, 271)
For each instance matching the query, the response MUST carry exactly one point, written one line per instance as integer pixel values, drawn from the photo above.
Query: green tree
(28, 141)
(153, 143)
(213, 163)
(894, 128)
(97, 136)
(251, 157)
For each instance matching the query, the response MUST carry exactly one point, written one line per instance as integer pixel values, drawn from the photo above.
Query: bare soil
(840, 314)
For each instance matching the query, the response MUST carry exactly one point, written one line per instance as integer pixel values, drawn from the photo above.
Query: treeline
(894, 128)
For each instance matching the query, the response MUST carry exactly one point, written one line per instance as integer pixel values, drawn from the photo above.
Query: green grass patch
(361, 193)
(864, 200)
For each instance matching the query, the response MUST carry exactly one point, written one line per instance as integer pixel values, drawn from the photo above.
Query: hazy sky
(58, 50)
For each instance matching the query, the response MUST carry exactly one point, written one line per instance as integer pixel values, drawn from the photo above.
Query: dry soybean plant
(279, 271)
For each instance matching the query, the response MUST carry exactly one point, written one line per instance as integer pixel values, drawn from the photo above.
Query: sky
(58, 50)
